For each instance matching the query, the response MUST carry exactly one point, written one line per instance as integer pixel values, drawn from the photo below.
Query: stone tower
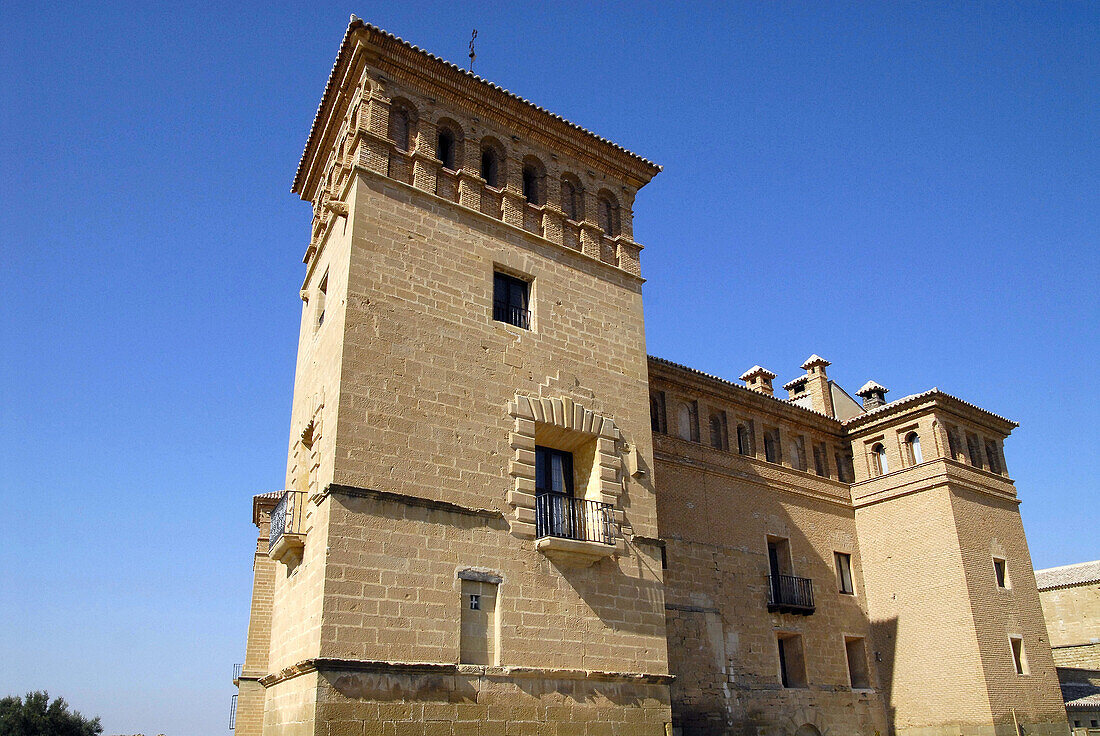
(469, 534)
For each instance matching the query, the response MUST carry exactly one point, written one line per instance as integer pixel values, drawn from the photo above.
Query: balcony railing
(233, 713)
(237, 672)
(504, 312)
(788, 594)
(287, 527)
(565, 517)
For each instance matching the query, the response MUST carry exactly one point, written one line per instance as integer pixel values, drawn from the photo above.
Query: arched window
(718, 439)
(994, 457)
(657, 413)
(744, 443)
(571, 204)
(879, 465)
(533, 184)
(399, 127)
(490, 166)
(687, 421)
(912, 448)
(608, 215)
(445, 148)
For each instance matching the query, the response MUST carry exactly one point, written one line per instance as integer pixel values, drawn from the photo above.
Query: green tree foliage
(35, 715)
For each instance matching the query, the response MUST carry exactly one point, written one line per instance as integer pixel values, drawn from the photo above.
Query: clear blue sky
(909, 190)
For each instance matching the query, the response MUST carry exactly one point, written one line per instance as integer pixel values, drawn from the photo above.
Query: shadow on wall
(722, 638)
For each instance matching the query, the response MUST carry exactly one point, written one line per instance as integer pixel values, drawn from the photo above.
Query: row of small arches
(448, 150)
(913, 455)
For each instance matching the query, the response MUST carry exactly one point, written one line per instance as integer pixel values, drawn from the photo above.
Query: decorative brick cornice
(398, 57)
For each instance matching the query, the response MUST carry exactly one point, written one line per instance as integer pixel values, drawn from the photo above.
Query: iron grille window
(510, 301)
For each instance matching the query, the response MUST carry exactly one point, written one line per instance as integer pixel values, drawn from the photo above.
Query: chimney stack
(759, 379)
(873, 395)
(817, 385)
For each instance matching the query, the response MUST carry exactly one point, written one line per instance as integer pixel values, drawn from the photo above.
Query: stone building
(1070, 596)
(502, 517)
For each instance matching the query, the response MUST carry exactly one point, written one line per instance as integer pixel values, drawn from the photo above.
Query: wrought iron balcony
(564, 517)
(504, 312)
(237, 672)
(233, 713)
(287, 536)
(789, 594)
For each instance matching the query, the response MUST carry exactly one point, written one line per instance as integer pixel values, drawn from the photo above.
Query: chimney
(759, 379)
(873, 395)
(818, 385)
(796, 389)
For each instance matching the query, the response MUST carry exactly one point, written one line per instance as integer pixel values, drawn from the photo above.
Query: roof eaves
(913, 398)
(356, 23)
(739, 387)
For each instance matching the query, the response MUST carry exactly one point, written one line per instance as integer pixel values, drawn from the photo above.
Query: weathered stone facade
(503, 517)
(1071, 605)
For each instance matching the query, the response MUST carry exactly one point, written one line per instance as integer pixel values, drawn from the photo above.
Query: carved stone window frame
(564, 414)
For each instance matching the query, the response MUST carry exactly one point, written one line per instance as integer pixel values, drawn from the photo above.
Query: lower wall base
(483, 703)
(1003, 729)
(781, 712)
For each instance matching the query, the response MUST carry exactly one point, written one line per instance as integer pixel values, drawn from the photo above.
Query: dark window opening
(792, 662)
(994, 457)
(844, 573)
(607, 220)
(531, 185)
(819, 461)
(719, 437)
(974, 449)
(1018, 655)
(570, 201)
(858, 673)
(510, 301)
(658, 421)
(399, 128)
(1001, 571)
(475, 602)
(445, 149)
(490, 167)
(744, 440)
(773, 451)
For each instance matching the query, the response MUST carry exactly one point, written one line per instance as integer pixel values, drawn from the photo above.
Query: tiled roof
(871, 386)
(914, 398)
(1080, 695)
(355, 24)
(738, 386)
(1067, 575)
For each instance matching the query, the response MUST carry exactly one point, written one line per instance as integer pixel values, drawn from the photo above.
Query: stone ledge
(438, 668)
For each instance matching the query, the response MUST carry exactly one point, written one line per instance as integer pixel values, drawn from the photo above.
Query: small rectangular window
(1018, 658)
(478, 633)
(322, 297)
(792, 660)
(844, 573)
(858, 674)
(1001, 570)
(510, 301)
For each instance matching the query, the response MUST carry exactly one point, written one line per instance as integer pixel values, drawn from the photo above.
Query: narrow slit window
(1018, 658)
(1000, 570)
(490, 167)
(844, 573)
(322, 297)
(445, 148)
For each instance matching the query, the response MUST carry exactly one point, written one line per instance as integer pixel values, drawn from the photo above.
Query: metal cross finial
(472, 54)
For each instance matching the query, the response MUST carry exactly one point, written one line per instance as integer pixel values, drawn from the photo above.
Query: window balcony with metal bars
(790, 594)
(287, 537)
